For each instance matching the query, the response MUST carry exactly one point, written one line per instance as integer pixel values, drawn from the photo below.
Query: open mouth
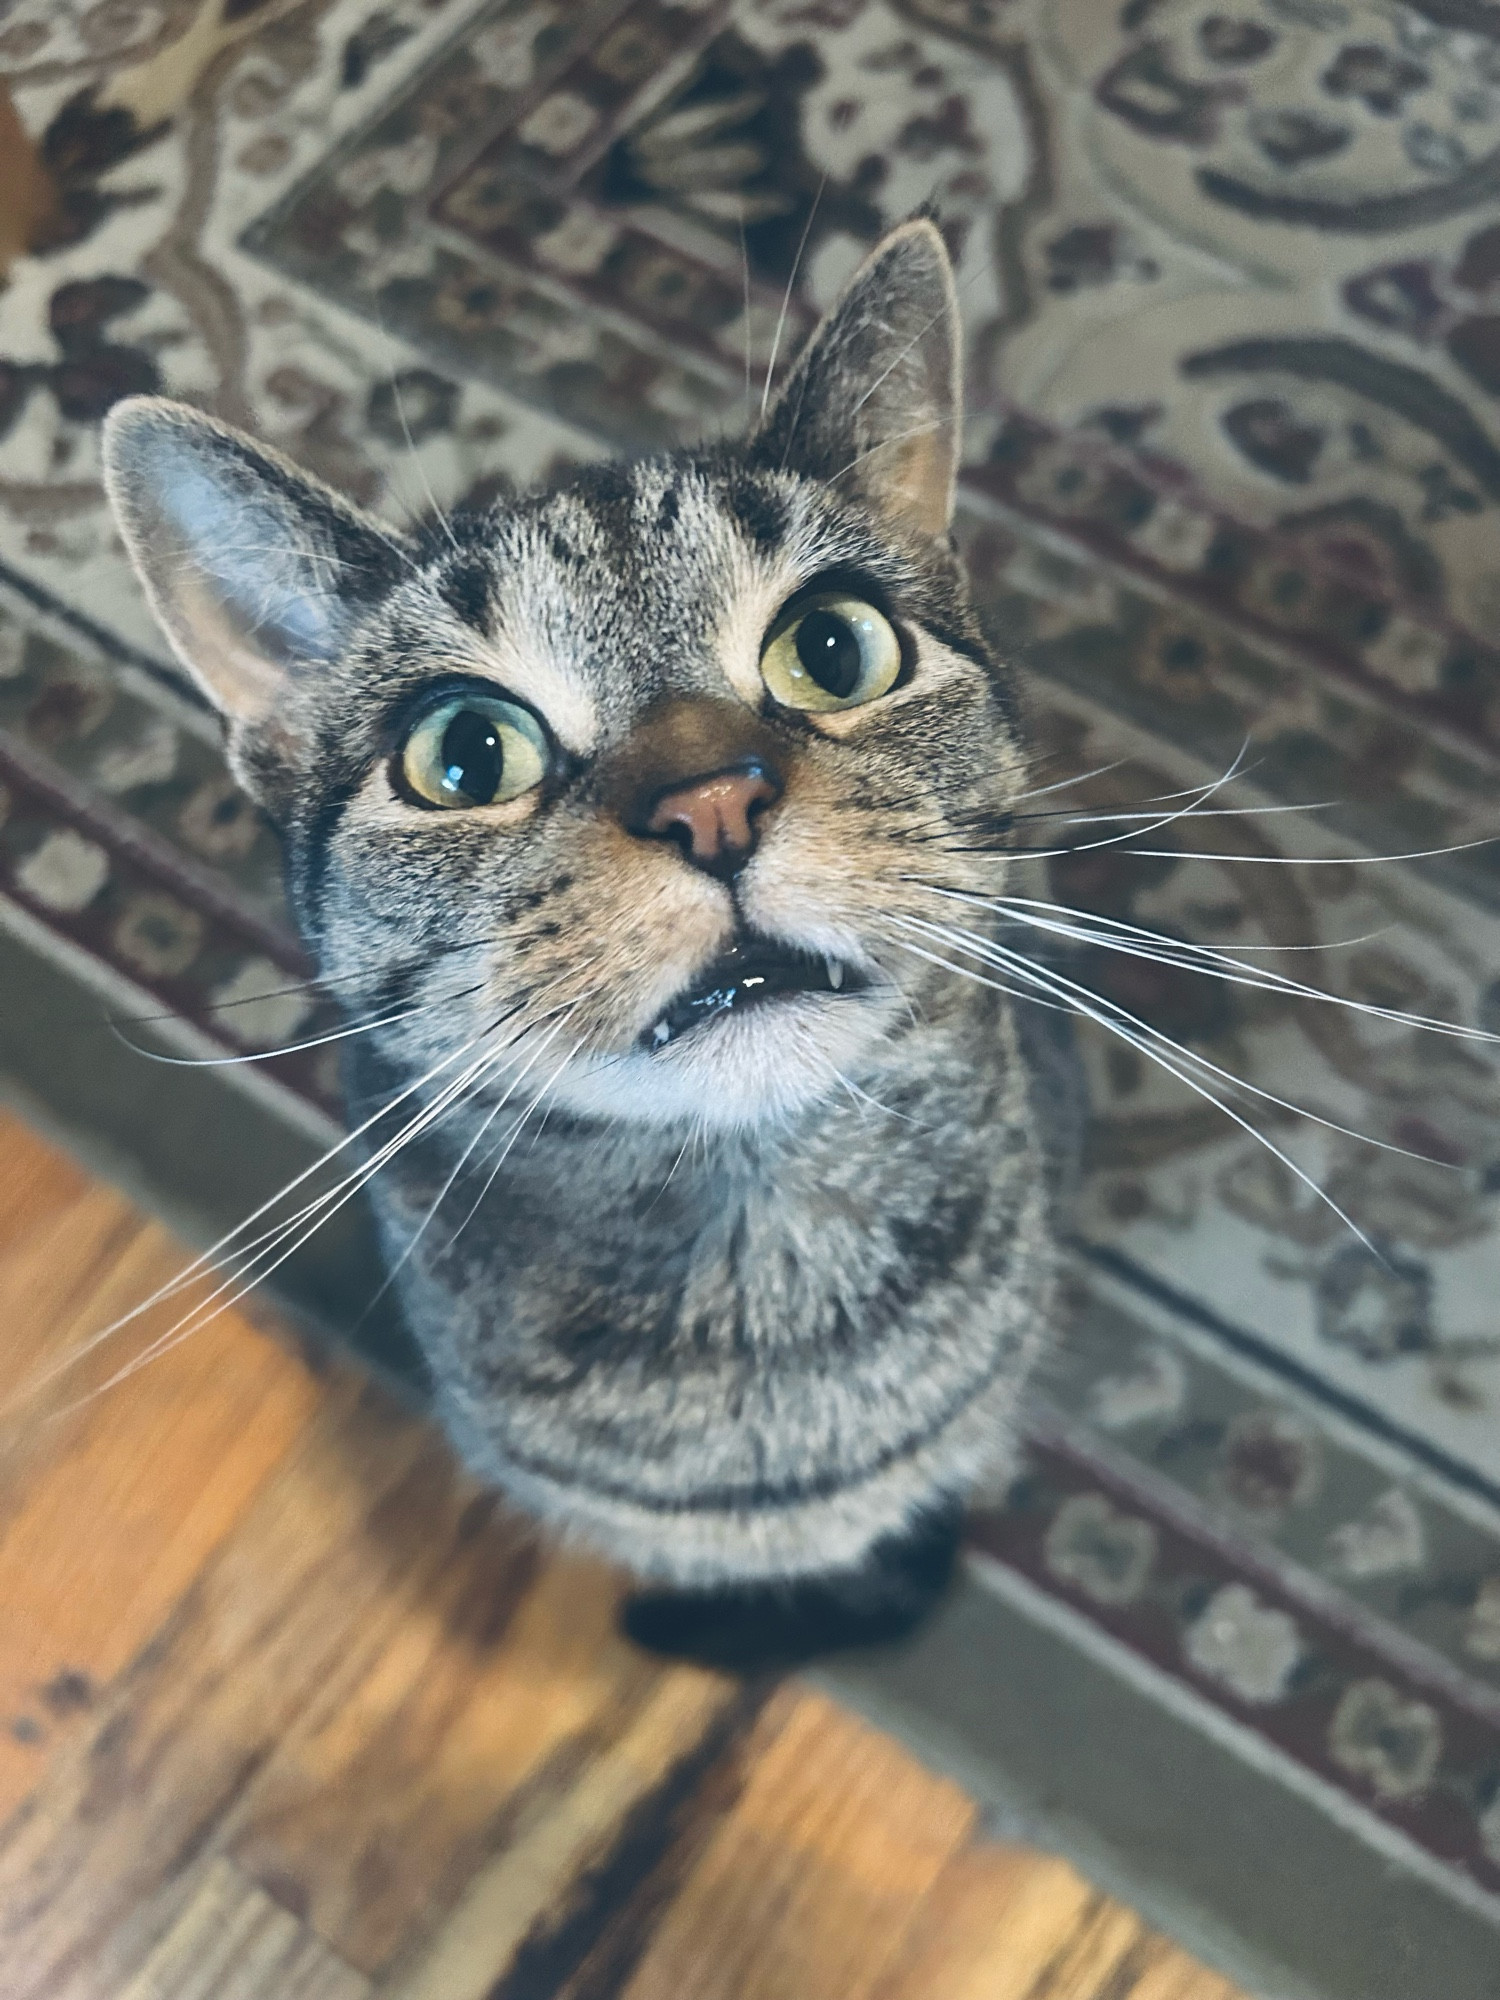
(748, 974)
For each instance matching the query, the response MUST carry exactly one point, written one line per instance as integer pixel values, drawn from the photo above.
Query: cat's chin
(737, 1070)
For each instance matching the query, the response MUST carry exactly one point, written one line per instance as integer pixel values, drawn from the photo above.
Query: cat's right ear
(256, 572)
(872, 406)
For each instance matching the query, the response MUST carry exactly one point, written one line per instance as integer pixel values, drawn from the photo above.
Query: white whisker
(1314, 860)
(863, 1097)
(985, 948)
(478, 1138)
(390, 354)
(745, 262)
(517, 1128)
(207, 1260)
(884, 444)
(1118, 1021)
(1112, 933)
(294, 1048)
(786, 300)
(295, 1232)
(1044, 791)
(1198, 794)
(1206, 812)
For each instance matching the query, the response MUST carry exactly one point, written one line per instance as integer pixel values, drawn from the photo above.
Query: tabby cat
(719, 1209)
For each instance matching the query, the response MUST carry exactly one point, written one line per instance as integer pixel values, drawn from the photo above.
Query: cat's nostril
(713, 819)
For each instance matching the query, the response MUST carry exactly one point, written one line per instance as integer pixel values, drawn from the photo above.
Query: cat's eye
(834, 651)
(475, 750)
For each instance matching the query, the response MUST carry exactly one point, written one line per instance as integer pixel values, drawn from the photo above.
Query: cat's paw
(755, 1628)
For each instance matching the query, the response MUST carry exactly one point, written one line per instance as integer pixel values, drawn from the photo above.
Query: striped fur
(740, 1307)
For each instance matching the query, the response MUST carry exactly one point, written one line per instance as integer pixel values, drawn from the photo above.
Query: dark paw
(753, 1628)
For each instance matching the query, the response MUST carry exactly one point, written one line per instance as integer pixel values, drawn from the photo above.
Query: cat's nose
(714, 818)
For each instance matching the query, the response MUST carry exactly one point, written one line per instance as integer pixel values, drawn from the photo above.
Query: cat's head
(644, 765)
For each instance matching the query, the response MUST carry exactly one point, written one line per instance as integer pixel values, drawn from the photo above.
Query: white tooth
(835, 973)
(659, 1034)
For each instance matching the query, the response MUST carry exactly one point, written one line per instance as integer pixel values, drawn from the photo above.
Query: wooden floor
(290, 1711)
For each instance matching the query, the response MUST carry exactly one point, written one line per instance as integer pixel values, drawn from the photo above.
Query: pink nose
(714, 817)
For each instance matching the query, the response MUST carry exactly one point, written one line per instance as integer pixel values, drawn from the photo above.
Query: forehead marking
(757, 590)
(464, 585)
(522, 646)
(568, 531)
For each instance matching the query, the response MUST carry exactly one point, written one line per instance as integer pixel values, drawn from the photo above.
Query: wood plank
(233, 1942)
(90, 1868)
(490, 1729)
(36, 1180)
(475, 1950)
(1006, 1923)
(373, 1684)
(326, 1722)
(814, 1878)
(590, 1941)
(477, 1683)
(107, 1512)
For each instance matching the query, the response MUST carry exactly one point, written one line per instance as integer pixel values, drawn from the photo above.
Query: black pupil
(828, 648)
(473, 757)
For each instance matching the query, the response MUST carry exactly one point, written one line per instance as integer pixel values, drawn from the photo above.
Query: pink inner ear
(250, 565)
(915, 485)
(241, 680)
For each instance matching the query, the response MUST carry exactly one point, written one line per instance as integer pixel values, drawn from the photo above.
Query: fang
(835, 973)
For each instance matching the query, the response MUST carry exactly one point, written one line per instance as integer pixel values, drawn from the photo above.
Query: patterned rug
(1231, 278)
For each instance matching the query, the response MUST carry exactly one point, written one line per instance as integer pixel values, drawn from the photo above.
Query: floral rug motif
(1231, 283)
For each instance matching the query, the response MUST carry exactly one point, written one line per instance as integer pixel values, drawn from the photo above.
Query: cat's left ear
(873, 406)
(257, 573)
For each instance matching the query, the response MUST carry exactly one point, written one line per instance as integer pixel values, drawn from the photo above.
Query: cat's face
(643, 767)
(702, 862)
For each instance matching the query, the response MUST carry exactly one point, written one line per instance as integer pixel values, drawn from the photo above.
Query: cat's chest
(580, 1257)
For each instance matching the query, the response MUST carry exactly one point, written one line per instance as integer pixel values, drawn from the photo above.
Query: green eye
(836, 652)
(475, 750)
